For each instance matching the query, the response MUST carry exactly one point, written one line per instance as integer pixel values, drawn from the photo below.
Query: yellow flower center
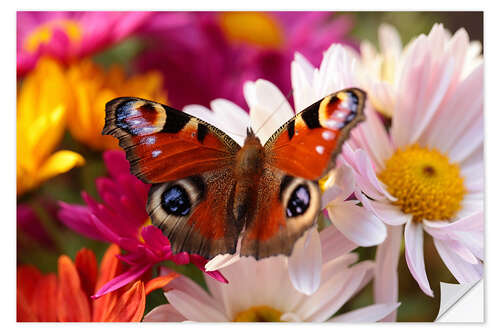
(425, 183)
(262, 313)
(252, 27)
(44, 32)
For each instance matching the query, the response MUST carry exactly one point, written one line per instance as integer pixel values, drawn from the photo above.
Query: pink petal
(121, 280)
(164, 313)
(386, 212)
(414, 252)
(334, 244)
(304, 265)
(463, 271)
(386, 269)
(357, 223)
(193, 308)
(367, 314)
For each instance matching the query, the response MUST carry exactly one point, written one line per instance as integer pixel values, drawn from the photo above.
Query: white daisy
(261, 291)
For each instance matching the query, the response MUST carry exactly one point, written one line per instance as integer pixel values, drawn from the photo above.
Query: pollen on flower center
(261, 313)
(425, 183)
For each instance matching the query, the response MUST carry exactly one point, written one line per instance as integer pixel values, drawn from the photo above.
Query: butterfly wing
(297, 155)
(189, 162)
(308, 144)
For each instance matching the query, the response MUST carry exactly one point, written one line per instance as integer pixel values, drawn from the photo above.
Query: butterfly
(208, 191)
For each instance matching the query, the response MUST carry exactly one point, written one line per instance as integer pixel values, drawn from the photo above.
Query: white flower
(261, 291)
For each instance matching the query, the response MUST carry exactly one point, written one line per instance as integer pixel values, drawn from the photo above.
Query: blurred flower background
(74, 194)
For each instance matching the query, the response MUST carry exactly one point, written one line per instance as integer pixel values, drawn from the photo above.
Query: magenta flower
(69, 35)
(205, 56)
(122, 219)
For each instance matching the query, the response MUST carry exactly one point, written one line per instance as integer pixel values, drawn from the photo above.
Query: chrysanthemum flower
(93, 87)
(382, 70)
(71, 35)
(427, 172)
(67, 295)
(122, 219)
(260, 291)
(205, 56)
(41, 119)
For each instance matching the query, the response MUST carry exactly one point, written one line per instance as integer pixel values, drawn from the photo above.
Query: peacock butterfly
(208, 191)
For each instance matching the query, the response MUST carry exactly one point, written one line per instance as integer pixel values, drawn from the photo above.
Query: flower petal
(159, 282)
(357, 223)
(73, 303)
(334, 244)
(367, 314)
(164, 313)
(304, 265)
(59, 162)
(386, 269)
(414, 252)
(86, 265)
(463, 271)
(193, 308)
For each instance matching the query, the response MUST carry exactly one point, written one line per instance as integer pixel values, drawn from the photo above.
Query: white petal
(368, 314)
(223, 260)
(231, 119)
(290, 317)
(414, 252)
(386, 269)
(357, 223)
(388, 213)
(193, 308)
(269, 111)
(463, 271)
(304, 265)
(328, 305)
(334, 244)
(164, 313)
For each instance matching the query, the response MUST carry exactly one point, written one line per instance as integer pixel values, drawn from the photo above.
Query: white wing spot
(150, 140)
(155, 153)
(320, 149)
(327, 135)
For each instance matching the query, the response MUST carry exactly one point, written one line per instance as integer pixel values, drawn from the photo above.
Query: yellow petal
(60, 162)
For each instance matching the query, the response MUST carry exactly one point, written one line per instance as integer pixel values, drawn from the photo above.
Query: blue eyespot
(175, 201)
(298, 202)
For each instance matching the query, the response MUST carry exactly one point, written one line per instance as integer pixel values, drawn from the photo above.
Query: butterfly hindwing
(164, 144)
(308, 144)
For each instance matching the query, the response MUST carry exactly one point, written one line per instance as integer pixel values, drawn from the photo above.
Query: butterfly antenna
(274, 112)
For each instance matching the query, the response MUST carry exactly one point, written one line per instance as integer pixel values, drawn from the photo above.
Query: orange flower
(93, 87)
(66, 297)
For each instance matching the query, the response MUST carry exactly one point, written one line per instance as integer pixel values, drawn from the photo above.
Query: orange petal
(159, 282)
(86, 265)
(110, 266)
(130, 305)
(27, 280)
(45, 303)
(73, 304)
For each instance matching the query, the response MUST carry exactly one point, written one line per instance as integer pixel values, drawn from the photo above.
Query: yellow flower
(93, 87)
(257, 28)
(41, 119)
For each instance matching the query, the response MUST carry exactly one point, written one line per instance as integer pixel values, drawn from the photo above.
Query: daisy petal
(193, 308)
(164, 313)
(304, 265)
(368, 314)
(414, 252)
(386, 269)
(334, 244)
(357, 223)
(463, 271)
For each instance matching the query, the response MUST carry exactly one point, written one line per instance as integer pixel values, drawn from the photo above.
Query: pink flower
(69, 35)
(122, 219)
(205, 56)
(426, 174)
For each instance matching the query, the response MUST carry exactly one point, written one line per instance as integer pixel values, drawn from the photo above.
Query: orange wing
(308, 144)
(164, 144)
(190, 164)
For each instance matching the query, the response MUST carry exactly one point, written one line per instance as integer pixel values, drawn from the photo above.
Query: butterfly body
(208, 192)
